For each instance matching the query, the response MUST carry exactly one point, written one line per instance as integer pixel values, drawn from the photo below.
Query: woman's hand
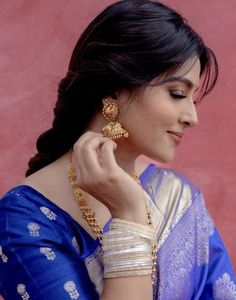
(100, 176)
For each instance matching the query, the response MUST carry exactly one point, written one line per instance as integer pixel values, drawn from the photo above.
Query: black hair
(126, 46)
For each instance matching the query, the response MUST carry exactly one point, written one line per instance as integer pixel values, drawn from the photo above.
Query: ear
(112, 97)
(115, 96)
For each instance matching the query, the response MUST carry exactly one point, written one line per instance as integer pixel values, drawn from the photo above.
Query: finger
(91, 153)
(107, 155)
(79, 145)
(87, 155)
(86, 136)
(76, 153)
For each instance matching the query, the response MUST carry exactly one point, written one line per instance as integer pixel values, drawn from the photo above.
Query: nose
(189, 116)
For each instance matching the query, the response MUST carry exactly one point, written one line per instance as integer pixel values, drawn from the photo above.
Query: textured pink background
(36, 40)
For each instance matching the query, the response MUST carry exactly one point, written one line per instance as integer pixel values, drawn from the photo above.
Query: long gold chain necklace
(89, 215)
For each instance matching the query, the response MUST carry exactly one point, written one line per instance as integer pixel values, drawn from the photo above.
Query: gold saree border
(171, 200)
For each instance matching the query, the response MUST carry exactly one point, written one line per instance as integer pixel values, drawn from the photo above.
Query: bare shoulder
(40, 180)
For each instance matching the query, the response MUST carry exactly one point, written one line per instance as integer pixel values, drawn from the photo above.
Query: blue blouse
(46, 254)
(42, 250)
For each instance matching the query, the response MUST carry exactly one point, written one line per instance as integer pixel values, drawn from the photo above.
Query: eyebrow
(183, 80)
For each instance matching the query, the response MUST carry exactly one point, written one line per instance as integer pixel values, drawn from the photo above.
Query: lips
(176, 136)
(179, 134)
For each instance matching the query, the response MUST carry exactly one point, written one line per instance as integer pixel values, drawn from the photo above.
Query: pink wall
(36, 39)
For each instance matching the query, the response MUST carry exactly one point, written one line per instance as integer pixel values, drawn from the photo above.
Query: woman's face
(157, 117)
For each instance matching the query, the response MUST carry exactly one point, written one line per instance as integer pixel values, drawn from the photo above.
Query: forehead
(188, 73)
(190, 70)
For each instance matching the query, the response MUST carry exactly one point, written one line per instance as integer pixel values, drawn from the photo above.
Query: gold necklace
(89, 215)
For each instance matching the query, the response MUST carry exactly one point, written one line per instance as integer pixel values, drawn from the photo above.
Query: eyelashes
(179, 96)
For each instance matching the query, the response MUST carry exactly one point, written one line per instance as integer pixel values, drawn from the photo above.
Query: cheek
(150, 114)
(162, 115)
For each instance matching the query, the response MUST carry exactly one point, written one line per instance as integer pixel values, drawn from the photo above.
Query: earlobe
(112, 97)
(104, 100)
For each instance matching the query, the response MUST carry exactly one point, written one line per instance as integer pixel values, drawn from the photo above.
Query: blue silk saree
(45, 254)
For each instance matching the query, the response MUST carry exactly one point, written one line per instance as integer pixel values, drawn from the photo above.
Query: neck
(125, 157)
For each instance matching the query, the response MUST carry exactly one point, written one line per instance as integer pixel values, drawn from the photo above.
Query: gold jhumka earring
(113, 129)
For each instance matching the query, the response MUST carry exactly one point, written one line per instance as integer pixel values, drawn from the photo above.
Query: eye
(177, 94)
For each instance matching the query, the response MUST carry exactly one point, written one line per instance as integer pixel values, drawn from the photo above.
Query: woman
(90, 221)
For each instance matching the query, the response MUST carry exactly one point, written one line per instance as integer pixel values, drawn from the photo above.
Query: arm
(127, 288)
(99, 175)
(38, 261)
(43, 265)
